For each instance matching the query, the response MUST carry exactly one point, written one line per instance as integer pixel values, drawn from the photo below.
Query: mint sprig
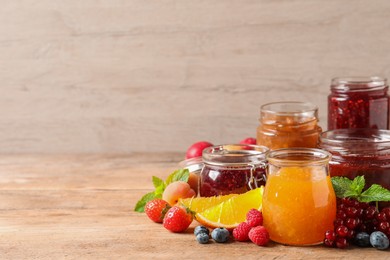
(160, 185)
(345, 187)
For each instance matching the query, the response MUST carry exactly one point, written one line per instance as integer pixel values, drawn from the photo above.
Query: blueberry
(220, 235)
(202, 238)
(379, 240)
(201, 229)
(362, 239)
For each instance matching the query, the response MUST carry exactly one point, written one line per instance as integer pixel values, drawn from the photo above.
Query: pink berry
(259, 235)
(254, 218)
(241, 232)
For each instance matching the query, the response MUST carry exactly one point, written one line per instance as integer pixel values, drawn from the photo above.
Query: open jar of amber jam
(358, 103)
(231, 169)
(288, 124)
(299, 203)
(358, 152)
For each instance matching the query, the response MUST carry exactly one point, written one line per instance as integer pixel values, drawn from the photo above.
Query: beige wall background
(133, 76)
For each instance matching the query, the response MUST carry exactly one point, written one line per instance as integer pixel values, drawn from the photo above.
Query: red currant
(328, 243)
(342, 231)
(351, 212)
(341, 242)
(330, 235)
(338, 222)
(351, 223)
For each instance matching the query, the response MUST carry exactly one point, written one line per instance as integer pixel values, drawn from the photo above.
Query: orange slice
(231, 212)
(202, 203)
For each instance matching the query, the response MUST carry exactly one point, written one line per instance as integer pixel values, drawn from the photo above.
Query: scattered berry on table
(259, 235)
(156, 209)
(379, 240)
(241, 232)
(201, 229)
(362, 239)
(202, 238)
(177, 219)
(254, 218)
(220, 235)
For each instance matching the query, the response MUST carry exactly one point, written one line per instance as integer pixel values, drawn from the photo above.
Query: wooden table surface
(81, 207)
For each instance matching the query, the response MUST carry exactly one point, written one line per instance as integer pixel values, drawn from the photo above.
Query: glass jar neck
(292, 115)
(298, 157)
(368, 85)
(365, 142)
(236, 155)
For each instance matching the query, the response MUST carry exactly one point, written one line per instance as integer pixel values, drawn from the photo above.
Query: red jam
(358, 152)
(232, 169)
(358, 103)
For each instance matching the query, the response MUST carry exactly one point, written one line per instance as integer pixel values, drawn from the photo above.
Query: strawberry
(178, 219)
(156, 209)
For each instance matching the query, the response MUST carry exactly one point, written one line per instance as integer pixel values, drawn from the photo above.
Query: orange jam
(288, 124)
(299, 203)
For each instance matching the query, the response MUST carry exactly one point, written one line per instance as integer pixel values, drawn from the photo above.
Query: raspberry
(241, 232)
(259, 235)
(254, 218)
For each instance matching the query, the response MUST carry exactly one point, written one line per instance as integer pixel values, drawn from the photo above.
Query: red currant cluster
(354, 217)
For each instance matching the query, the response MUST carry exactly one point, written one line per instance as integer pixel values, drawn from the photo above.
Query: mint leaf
(140, 206)
(178, 175)
(159, 191)
(157, 182)
(375, 193)
(357, 184)
(341, 185)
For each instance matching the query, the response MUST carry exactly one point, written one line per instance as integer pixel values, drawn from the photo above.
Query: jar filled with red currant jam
(235, 168)
(358, 103)
(357, 152)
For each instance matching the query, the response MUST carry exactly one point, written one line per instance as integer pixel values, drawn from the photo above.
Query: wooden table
(81, 207)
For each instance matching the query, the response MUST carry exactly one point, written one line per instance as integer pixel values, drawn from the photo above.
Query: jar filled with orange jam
(288, 124)
(299, 203)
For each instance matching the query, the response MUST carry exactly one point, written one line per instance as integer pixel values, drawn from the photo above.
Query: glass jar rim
(299, 157)
(235, 154)
(192, 164)
(360, 141)
(289, 108)
(345, 84)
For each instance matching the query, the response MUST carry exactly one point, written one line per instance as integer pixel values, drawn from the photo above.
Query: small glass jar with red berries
(235, 168)
(358, 103)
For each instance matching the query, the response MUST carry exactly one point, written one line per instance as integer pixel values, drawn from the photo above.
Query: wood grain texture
(113, 76)
(80, 207)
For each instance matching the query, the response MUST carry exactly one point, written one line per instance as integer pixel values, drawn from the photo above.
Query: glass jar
(233, 168)
(358, 103)
(194, 166)
(299, 203)
(288, 124)
(359, 152)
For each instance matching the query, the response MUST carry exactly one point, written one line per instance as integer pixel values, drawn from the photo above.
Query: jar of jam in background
(231, 169)
(358, 103)
(358, 152)
(288, 124)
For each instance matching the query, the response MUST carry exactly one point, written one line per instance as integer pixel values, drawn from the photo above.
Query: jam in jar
(235, 168)
(358, 152)
(288, 124)
(299, 203)
(358, 103)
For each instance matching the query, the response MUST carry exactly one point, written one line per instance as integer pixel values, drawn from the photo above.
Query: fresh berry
(156, 209)
(202, 238)
(201, 229)
(177, 219)
(259, 235)
(254, 218)
(249, 140)
(342, 231)
(196, 149)
(220, 235)
(329, 243)
(379, 240)
(342, 242)
(362, 239)
(241, 232)
(330, 235)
